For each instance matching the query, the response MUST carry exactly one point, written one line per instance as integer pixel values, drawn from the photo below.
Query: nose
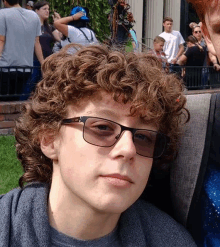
(124, 147)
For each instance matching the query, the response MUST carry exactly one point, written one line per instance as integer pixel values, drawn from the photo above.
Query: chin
(114, 206)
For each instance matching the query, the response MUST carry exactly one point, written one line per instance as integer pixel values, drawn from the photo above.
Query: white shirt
(171, 46)
(76, 36)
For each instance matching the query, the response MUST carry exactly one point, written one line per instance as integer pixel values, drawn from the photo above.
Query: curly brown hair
(72, 78)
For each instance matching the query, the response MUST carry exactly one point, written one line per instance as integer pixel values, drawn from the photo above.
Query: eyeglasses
(197, 31)
(105, 133)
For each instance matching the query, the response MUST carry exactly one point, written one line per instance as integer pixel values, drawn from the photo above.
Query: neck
(13, 6)
(41, 21)
(74, 217)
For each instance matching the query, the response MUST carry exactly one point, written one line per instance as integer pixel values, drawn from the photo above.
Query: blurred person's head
(30, 5)
(168, 24)
(10, 3)
(82, 22)
(191, 41)
(196, 30)
(209, 12)
(158, 43)
(100, 112)
(42, 8)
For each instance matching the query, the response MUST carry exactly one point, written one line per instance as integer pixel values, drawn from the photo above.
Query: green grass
(10, 169)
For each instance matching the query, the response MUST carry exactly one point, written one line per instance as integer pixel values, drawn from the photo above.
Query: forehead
(45, 6)
(105, 106)
(197, 29)
(168, 22)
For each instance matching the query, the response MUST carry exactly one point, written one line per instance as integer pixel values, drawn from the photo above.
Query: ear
(48, 146)
(207, 39)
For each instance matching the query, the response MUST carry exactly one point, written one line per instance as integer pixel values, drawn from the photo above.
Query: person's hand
(216, 67)
(56, 16)
(174, 61)
(78, 15)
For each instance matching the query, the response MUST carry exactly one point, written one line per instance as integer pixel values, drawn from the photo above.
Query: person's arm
(214, 60)
(2, 44)
(56, 35)
(61, 24)
(182, 60)
(38, 50)
(180, 52)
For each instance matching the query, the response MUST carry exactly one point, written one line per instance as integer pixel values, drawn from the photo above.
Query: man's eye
(103, 127)
(142, 137)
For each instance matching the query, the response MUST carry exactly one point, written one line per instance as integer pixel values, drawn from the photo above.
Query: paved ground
(213, 90)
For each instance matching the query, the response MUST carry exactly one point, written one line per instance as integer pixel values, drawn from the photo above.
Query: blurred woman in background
(193, 58)
(197, 32)
(48, 36)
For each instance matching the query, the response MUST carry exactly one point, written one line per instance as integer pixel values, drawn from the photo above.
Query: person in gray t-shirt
(19, 37)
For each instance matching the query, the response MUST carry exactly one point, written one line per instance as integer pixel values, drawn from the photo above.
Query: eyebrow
(105, 112)
(115, 115)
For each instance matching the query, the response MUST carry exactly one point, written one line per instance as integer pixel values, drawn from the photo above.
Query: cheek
(79, 160)
(143, 176)
(143, 170)
(75, 168)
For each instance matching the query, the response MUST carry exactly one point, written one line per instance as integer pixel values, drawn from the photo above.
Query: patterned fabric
(210, 210)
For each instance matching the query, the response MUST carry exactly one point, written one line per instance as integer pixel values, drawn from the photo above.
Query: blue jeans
(34, 79)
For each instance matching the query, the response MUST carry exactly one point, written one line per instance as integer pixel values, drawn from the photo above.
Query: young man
(19, 37)
(96, 124)
(173, 47)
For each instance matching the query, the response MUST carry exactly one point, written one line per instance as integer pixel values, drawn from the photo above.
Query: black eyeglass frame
(83, 119)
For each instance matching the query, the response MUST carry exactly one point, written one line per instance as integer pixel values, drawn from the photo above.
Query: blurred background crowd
(47, 28)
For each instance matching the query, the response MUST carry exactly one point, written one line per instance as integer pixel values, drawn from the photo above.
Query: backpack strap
(186, 168)
(90, 41)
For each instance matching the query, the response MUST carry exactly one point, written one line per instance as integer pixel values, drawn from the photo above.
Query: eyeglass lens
(197, 31)
(104, 133)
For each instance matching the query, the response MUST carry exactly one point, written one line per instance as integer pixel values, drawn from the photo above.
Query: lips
(118, 176)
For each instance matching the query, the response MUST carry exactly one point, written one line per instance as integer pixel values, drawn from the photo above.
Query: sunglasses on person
(105, 133)
(197, 31)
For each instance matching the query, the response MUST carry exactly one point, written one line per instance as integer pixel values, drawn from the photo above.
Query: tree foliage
(98, 12)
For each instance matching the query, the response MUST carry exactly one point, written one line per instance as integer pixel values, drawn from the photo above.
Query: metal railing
(17, 83)
(197, 77)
